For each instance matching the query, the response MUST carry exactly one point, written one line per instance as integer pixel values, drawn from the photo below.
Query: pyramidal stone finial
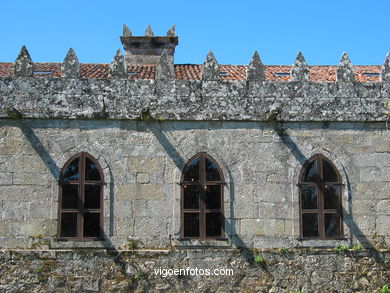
(70, 68)
(165, 69)
(345, 72)
(149, 32)
(23, 63)
(385, 71)
(210, 69)
(300, 69)
(171, 31)
(255, 68)
(118, 67)
(126, 31)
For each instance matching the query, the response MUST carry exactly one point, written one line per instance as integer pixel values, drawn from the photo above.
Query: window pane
(192, 171)
(191, 196)
(331, 197)
(328, 172)
(212, 173)
(213, 224)
(310, 225)
(71, 172)
(332, 225)
(310, 173)
(70, 196)
(309, 197)
(92, 196)
(91, 225)
(213, 196)
(68, 224)
(191, 225)
(91, 170)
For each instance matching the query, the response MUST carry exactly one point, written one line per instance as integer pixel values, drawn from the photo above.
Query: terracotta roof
(326, 73)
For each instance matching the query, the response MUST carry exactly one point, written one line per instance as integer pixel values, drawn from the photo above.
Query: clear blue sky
(278, 29)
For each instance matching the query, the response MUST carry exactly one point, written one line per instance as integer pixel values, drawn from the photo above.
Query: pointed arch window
(81, 199)
(202, 199)
(320, 200)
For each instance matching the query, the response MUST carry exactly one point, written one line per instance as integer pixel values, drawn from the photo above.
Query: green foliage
(132, 245)
(385, 289)
(145, 115)
(139, 276)
(341, 248)
(259, 259)
(356, 248)
(283, 249)
(38, 270)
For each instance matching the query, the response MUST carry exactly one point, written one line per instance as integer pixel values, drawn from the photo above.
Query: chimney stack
(149, 48)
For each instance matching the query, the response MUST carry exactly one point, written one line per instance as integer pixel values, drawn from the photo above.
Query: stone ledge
(201, 244)
(305, 243)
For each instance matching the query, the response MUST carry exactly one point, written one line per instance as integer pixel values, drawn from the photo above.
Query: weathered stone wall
(142, 164)
(193, 100)
(142, 132)
(308, 270)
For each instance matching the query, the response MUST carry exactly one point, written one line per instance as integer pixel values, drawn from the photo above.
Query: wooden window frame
(202, 203)
(80, 210)
(321, 211)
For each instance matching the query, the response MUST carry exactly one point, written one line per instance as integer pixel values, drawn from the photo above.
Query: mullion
(80, 224)
(202, 195)
(320, 194)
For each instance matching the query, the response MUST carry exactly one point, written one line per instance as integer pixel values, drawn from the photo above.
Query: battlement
(125, 89)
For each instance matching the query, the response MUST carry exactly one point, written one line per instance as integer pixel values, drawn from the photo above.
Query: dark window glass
(213, 196)
(68, 224)
(329, 173)
(213, 224)
(332, 225)
(310, 225)
(80, 207)
(202, 201)
(310, 174)
(191, 196)
(71, 172)
(309, 197)
(331, 197)
(191, 225)
(91, 171)
(70, 196)
(320, 199)
(192, 171)
(92, 196)
(91, 225)
(212, 173)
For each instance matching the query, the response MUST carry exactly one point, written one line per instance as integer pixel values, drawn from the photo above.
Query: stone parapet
(48, 97)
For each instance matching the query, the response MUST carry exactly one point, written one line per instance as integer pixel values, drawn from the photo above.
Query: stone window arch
(320, 200)
(80, 201)
(202, 185)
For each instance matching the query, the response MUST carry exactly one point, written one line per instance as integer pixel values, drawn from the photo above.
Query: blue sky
(322, 30)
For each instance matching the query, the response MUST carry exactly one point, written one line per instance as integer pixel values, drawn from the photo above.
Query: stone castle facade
(153, 155)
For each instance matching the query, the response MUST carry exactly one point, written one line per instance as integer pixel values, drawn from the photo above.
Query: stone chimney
(148, 49)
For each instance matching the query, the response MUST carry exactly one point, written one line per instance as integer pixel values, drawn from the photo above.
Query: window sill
(222, 243)
(323, 243)
(80, 244)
